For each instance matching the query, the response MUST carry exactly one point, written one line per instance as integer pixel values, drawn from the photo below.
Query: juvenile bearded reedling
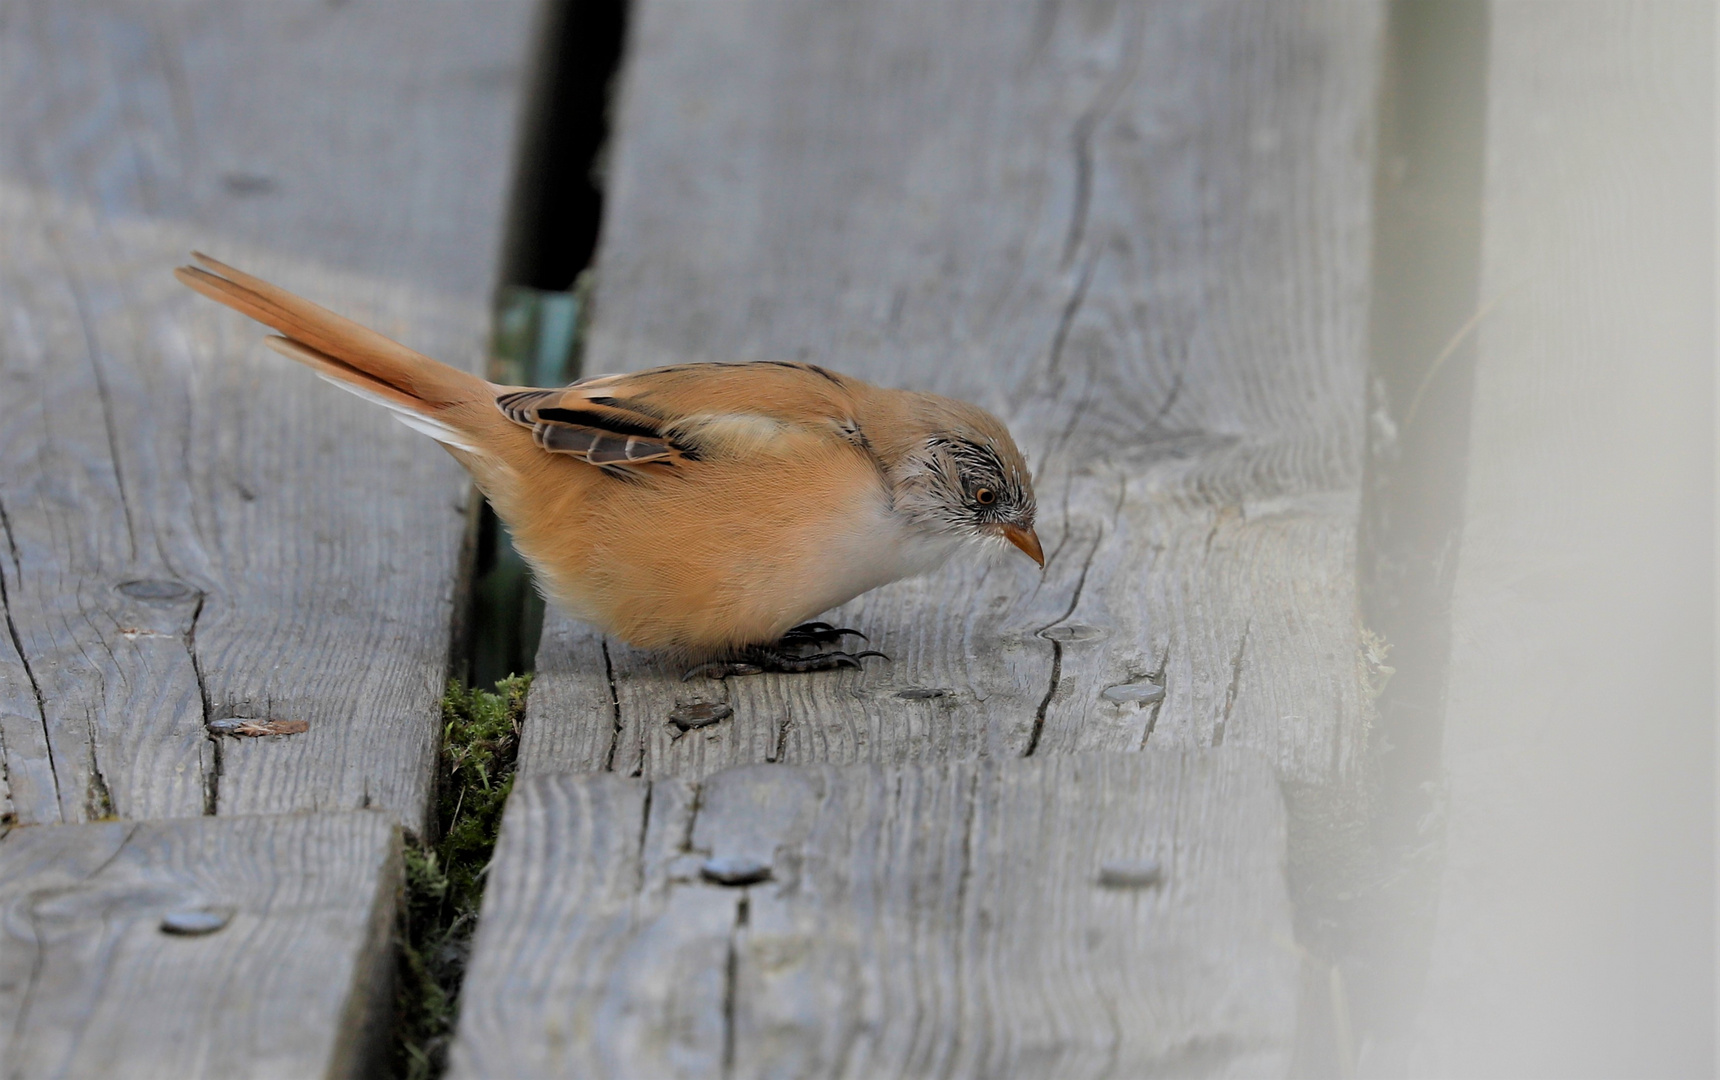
(705, 509)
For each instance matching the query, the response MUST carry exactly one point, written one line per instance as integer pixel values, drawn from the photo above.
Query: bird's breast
(874, 547)
(719, 554)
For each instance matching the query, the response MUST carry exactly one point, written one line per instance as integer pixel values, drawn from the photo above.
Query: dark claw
(762, 660)
(818, 633)
(722, 669)
(826, 661)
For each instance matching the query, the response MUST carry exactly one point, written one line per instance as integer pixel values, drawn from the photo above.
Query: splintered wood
(982, 918)
(196, 532)
(1137, 232)
(249, 946)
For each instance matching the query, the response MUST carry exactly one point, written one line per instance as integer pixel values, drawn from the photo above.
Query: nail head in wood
(155, 591)
(735, 871)
(1131, 874)
(195, 922)
(922, 693)
(1074, 632)
(1141, 693)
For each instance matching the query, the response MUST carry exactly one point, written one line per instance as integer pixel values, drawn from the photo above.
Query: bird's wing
(690, 411)
(598, 434)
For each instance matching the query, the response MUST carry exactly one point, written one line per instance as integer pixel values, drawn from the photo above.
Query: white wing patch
(739, 433)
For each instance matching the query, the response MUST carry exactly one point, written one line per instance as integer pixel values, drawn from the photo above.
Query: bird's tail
(424, 394)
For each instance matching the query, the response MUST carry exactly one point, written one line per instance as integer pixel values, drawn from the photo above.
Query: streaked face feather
(964, 487)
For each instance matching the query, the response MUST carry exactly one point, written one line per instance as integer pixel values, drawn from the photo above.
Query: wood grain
(1575, 916)
(193, 530)
(918, 920)
(294, 983)
(1137, 231)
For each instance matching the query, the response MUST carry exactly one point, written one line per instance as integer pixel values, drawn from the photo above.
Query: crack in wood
(697, 803)
(614, 706)
(731, 979)
(1045, 702)
(212, 779)
(11, 541)
(105, 397)
(1220, 518)
(212, 768)
(24, 661)
(98, 796)
(1157, 676)
(1175, 390)
(1057, 648)
(644, 835)
(1235, 681)
(8, 817)
(1081, 140)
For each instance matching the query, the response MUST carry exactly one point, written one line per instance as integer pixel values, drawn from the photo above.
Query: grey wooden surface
(1139, 233)
(1575, 929)
(295, 984)
(298, 555)
(919, 920)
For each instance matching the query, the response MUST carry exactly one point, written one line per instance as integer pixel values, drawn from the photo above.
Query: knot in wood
(158, 591)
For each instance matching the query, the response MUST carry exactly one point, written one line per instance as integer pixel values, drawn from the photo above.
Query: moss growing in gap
(445, 880)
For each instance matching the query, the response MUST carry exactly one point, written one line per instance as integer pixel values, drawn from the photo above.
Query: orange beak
(1026, 540)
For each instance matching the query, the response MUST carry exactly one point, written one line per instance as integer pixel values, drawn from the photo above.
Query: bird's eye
(984, 496)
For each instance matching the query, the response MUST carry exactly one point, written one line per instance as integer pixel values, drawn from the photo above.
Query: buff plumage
(700, 508)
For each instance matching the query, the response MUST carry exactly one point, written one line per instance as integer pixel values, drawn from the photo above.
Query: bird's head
(958, 475)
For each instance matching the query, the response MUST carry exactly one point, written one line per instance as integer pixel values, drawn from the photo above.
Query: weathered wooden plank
(193, 529)
(1137, 231)
(1575, 927)
(293, 983)
(917, 920)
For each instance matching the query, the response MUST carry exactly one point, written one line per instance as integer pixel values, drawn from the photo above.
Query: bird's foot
(774, 658)
(817, 634)
(722, 669)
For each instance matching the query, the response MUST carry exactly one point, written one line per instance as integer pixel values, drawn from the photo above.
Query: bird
(704, 510)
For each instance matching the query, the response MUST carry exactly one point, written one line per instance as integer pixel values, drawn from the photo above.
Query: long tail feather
(354, 355)
(409, 410)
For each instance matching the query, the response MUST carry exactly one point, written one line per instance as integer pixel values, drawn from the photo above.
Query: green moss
(445, 880)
